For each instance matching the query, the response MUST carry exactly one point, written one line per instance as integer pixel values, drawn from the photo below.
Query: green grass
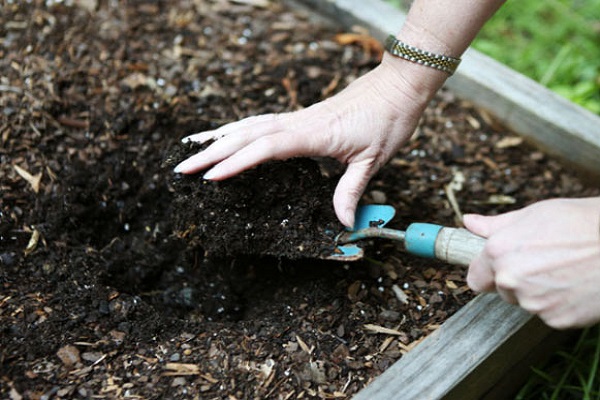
(569, 374)
(555, 42)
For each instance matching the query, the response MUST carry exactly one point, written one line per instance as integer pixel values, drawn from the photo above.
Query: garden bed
(104, 292)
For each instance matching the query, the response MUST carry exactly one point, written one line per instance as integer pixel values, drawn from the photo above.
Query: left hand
(362, 126)
(545, 257)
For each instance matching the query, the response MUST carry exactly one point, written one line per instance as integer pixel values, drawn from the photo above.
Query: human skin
(364, 125)
(545, 258)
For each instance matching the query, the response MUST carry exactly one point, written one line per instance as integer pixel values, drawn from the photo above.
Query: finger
(486, 225)
(481, 277)
(227, 146)
(244, 125)
(202, 137)
(507, 295)
(349, 190)
(214, 153)
(265, 148)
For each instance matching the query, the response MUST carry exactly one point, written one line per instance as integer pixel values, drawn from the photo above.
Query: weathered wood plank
(556, 125)
(460, 347)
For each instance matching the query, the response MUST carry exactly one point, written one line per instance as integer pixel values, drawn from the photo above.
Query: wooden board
(474, 351)
(460, 351)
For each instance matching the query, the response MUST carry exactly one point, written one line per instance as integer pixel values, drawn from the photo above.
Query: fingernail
(185, 140)
(209, 175)
(349, 217)
(178, 169)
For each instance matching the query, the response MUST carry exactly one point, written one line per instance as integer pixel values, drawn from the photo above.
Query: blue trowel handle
(454, 245)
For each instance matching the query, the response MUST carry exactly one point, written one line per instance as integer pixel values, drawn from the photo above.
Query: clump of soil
(281, 209)
(104, 294)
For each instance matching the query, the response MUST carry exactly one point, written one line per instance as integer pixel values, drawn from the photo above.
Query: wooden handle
(458, 246)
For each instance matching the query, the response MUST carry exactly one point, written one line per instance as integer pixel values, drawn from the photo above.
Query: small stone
(69, 355)
(91, 356)
(390, 315)
(117, 336)
(179, 381)
(48, 268)
(64, 391)
(7, 259)
(378, 196)
(175, 357)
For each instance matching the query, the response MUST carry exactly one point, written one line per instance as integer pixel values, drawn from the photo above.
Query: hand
(545, 257)
(362, 126)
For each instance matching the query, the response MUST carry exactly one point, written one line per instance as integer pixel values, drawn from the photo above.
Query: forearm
(442, 27)
(446, 26)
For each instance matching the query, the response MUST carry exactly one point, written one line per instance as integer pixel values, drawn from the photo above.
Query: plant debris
(103, 295)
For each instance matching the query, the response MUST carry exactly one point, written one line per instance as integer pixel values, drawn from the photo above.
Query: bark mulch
(119, 279)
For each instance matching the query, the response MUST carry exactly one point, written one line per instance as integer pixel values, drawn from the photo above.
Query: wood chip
(33, 180)
(400, 295)
(496, 199)
(451, 285)
(253, 3)
(69, 355)
(382, 329)
(456, 185)
(181, 369)
(304, 346)
(369, 44)
(33, 242)
(511, 141)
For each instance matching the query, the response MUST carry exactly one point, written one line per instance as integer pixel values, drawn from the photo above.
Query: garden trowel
(453, 245)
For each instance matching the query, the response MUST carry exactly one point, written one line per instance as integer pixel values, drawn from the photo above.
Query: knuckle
(561, 322)
(532, 306)
(268, 144)
(479, 282)
(506, 277)
(495, 248)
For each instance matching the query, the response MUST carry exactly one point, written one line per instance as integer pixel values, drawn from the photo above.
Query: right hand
(362, 126)
(544, 257)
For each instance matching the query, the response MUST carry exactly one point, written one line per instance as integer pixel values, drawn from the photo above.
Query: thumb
(349, 190)
(485, 226)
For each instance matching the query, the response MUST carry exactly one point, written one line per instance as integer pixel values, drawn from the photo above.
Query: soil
(281, 209)
(120, 279)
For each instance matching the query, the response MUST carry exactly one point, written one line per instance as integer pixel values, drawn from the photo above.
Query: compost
(111, 285)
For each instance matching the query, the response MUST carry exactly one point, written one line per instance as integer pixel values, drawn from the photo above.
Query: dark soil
(281, 209)
(115, 279)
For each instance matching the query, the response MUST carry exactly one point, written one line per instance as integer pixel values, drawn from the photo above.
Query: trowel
(453, 245)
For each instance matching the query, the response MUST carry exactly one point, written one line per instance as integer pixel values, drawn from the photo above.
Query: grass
(555, 42)
(572, 373)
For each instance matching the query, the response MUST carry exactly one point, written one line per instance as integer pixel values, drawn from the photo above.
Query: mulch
(116, 279)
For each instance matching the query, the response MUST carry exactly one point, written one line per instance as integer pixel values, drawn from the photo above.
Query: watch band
(441, 62)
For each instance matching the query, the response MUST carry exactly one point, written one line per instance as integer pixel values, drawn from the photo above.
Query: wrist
(420, 83)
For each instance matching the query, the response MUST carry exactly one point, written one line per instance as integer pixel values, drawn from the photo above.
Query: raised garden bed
(103, 292)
